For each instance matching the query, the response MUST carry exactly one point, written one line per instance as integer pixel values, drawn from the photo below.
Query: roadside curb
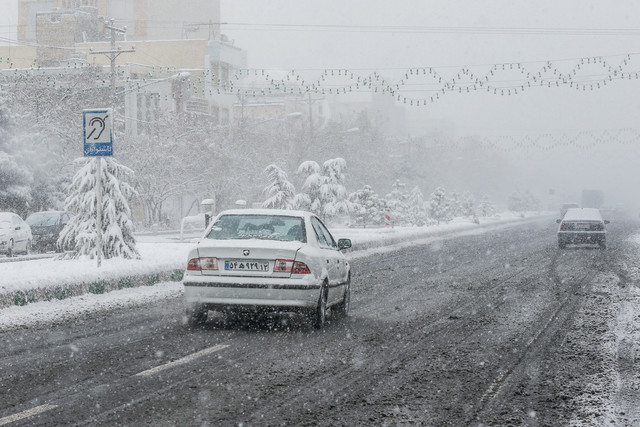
(68, 290)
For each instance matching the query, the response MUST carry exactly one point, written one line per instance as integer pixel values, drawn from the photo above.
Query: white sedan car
(267, 259)
(15, 234)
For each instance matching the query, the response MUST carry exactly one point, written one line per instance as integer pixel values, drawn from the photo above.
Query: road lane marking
(182, 361)
(26, 414)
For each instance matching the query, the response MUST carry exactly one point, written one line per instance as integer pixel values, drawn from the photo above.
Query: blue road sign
(98, 132)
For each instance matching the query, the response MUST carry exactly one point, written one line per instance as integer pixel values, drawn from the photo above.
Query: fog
(559, 139)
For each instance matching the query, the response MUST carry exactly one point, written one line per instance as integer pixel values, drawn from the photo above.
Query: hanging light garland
(505, 79)
(584, 140)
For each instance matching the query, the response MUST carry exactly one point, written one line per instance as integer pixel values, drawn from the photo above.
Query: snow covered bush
(280, 192)
(438, 206)
(310, 199)
(397, 202)
(323, 189)
(117, 229)
(416, 208)
(454, 209)
(332, 191)
(485, 207)
(467, 204)
(367, 208)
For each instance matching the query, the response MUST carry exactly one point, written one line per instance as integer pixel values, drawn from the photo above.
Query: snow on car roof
(271, 212)
(583, 214)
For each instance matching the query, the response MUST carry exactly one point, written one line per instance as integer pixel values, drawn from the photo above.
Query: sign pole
(98, 142)
(99, 210)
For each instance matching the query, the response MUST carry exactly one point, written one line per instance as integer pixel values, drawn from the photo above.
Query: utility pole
(113, 53)
(310, 120)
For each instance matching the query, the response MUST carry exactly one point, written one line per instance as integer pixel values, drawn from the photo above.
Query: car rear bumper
(44, 241)
(249, 292)
(581, 237)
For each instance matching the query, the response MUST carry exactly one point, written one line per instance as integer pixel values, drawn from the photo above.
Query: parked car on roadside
(15, 235)
(267, 259)
(46, 227)
(582, 225)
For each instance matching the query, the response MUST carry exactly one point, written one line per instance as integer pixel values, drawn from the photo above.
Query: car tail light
(198, 264)
(282, 266)
(600, 227)
(290, 266)
(209, 263)
(194, 264)
(300, 268)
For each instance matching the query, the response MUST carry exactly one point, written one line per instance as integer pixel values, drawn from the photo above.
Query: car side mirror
(18, 228)
(558, 221)
(344, 244)
(606, 221)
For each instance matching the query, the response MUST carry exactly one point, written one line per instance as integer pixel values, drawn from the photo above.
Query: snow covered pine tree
(117, 229)
(280, 192)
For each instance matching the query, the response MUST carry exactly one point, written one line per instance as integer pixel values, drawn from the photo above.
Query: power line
(565, 31)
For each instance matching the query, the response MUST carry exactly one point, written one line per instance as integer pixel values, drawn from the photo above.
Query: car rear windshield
(265, 227)
(42, 220)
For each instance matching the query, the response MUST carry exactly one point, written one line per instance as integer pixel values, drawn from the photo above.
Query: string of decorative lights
(583, 140)
(416, 86)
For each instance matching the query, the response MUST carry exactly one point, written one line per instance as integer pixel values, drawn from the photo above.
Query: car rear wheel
(27, 248)
(602, 244)
(561, 244)
(198, 316)
(10, 249)
(344, 307)
(320, 313)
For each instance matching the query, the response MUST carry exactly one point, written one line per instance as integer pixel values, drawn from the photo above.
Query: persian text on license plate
(246, 265)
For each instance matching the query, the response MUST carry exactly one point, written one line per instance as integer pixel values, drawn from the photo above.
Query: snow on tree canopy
(367, 207)
(310, 199)
(117, 229)
(280, 191)
(333, 191)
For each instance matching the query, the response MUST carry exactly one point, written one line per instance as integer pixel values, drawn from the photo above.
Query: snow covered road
(494, 329)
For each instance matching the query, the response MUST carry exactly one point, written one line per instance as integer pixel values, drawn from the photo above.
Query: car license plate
(583, 226)
(246, 265)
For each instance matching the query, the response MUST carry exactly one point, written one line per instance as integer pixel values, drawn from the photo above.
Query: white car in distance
(252, 260)
(15, 234)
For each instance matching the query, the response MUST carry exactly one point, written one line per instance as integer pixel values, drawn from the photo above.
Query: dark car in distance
(582, 226)
(46, 227)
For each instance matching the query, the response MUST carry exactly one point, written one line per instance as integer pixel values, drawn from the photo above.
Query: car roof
(49, 213)
(270, 212)
(586, 214)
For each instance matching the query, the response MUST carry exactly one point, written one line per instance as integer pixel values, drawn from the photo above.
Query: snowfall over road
(462, 325)
(166, 252)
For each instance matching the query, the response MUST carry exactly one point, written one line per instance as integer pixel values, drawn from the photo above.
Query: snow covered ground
(164, 253)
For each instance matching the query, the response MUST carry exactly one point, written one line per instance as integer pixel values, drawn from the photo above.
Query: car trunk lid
(250, 257)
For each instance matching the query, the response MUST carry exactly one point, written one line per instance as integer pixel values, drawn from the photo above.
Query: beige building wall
(145, 19)
(172, 53)
(27, 10)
